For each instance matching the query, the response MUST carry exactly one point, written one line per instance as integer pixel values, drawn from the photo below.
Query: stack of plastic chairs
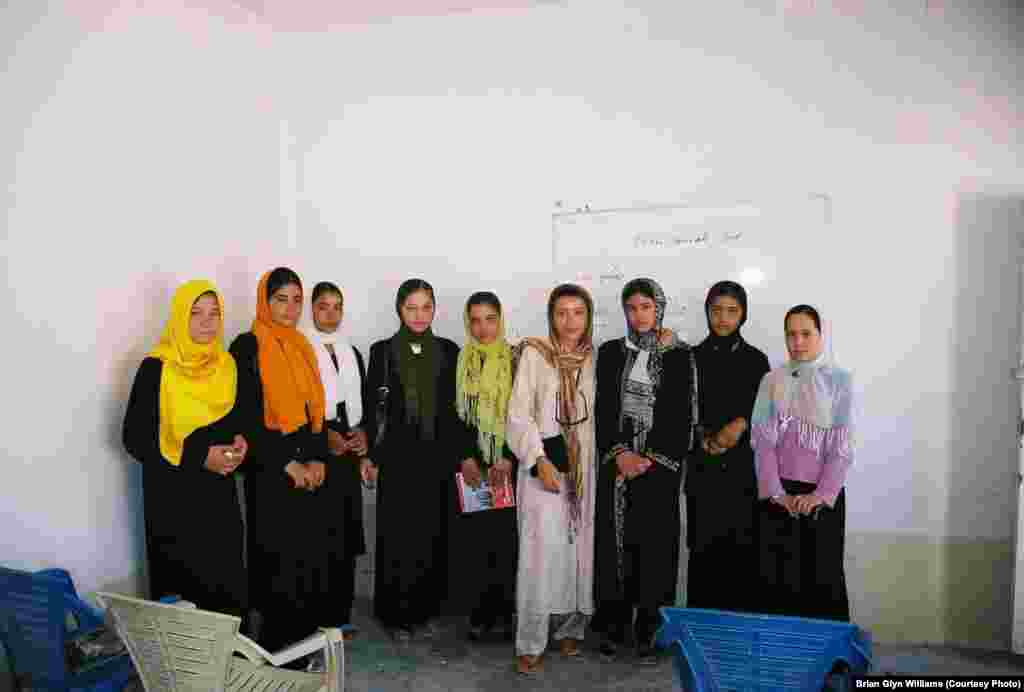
(39, 613)
(190, 650)
(719, 650)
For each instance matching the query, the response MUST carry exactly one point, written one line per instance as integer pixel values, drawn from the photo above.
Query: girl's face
(205, 319)
(724, 315)
(286, 305)
(803, 340)
(641, 313)
(570, 317)
(483, 323)
(418, 311)
(327, 312)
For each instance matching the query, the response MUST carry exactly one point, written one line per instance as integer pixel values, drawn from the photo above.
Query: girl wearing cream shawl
(287, 532)
(550, 409)
(185, 427)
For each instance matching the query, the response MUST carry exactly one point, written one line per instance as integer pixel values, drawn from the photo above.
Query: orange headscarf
(292, 391)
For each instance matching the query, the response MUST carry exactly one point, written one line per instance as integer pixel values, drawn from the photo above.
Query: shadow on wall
(977, 563)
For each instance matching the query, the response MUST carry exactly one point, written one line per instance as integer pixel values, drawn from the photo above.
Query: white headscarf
(343, 385)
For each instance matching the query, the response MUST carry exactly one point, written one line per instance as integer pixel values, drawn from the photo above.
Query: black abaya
(192, 515)
(288, 535)
(722, 490)
(485, 546)
(415, 492)
(650, 555)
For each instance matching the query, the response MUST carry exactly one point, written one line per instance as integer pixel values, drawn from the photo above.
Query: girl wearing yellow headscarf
(483, 385)
(184, 426)
(288, 531)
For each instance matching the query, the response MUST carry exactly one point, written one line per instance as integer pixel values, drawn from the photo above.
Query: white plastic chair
(190, 650)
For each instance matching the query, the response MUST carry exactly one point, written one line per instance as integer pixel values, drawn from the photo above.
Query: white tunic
(555, 576)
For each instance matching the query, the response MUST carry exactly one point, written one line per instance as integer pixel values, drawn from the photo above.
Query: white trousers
(533, 630)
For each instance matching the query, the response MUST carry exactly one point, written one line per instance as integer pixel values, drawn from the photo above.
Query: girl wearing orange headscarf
(279, 378)
(185, 426)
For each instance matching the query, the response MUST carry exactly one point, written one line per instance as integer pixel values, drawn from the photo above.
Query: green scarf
(483, 385)
(418, 373)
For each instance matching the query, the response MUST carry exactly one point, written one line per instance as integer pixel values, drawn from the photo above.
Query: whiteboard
(687, 248)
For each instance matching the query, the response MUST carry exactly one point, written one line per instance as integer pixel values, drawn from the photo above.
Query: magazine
(484, 497)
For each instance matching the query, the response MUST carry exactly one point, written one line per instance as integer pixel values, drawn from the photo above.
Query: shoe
(528, 665)
(646, 655)
(402, 635)
(427, 631)
(316, 664)
(476, 633)
(506, 627)
(608, 649)
(568, 647)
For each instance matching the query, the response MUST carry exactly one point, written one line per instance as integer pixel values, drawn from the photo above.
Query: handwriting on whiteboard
(675, 240)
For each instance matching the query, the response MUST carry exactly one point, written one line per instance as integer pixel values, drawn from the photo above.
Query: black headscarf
(739, 294)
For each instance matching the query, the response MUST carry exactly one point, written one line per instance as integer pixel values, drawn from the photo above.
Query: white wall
(145, 146)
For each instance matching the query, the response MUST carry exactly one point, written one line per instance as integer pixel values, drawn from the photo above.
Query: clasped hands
(497, 474)
(353, 442)
(798, 505)
(725, 439)
(631, 465)
(223, 459)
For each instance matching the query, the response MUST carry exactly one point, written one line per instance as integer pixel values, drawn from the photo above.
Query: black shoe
(608, 649)
(646, 655)
(476, 633)
(428, 631)
(506, 628)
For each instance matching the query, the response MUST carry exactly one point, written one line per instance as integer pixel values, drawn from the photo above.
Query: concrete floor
(449, 662)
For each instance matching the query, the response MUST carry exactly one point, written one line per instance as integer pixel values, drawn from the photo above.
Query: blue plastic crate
(718, 650)
(34, 625)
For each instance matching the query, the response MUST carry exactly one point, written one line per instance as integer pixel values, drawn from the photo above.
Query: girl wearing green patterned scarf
(487, 538)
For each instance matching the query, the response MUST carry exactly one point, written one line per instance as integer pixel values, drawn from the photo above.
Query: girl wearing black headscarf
(419, 447)
(645, 403)
(721, 485)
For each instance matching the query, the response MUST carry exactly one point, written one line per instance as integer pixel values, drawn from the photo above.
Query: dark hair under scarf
(280, 277)
(650, 288)
(650, 340)
(571, 291)
(326, 287)
(733, 290)
(484, 298)
(804, 310)
(418, 358)
(410, 286)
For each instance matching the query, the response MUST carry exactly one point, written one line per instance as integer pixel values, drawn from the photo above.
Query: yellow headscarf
(199, 381)
(483, 385)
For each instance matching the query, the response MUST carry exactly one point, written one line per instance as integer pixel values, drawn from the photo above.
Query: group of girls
(596, 446)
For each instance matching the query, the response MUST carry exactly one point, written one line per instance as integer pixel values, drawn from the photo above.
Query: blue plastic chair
(39, 612)
(714, 650)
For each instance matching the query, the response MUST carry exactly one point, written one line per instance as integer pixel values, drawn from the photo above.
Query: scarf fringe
(814, 438)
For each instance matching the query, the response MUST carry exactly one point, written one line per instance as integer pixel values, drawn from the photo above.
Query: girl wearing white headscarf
(342, 373)
(802, 434)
